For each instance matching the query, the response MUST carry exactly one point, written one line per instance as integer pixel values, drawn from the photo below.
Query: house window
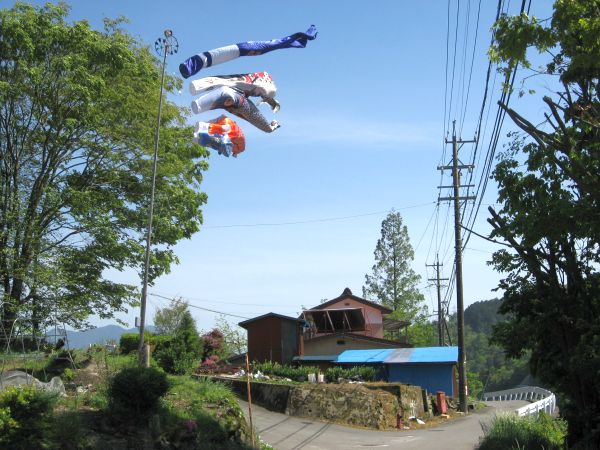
(341, 342)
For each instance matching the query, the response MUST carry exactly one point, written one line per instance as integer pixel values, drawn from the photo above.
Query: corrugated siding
(433, 377)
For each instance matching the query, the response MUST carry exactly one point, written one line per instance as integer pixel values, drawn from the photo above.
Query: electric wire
(464, 114)
(490, 156)
(200, 307)
(321, 220)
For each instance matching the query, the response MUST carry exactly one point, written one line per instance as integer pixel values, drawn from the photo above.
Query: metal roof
(348, 294)
(364, 356)
(264, 316)
(423, 355)
(420, 355)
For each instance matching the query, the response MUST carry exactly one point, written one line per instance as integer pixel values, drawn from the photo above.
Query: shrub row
(364, 373)
(130, 342)
(294, 373)
(301, 373)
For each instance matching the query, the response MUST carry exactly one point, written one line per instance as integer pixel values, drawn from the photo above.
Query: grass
(511, 432)
(194, 414)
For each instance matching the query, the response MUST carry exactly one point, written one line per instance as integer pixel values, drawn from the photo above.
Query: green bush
(25, 415)
(68, 432)
(134, 392)
(159, 341)
(365, 373)
(200, 414)
(183, 351)
(130, 342)
(509, 431)
(176, 359)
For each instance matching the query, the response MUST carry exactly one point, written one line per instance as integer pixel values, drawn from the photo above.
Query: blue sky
(362, 114)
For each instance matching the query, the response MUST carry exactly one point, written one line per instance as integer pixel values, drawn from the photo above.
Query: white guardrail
(542, 400)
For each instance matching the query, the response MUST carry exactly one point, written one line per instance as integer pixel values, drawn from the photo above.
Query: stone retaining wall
(351, 404)
(370, 405)
(409, 396)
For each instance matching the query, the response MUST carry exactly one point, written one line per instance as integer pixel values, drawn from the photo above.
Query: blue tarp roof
(420, 355)
(364, 356)
(423, 355)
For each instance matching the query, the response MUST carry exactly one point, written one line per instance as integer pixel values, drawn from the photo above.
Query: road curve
(294, 433)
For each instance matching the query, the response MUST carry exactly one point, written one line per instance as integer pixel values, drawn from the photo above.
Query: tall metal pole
(167, 46)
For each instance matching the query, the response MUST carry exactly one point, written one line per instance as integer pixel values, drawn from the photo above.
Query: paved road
(294, 433)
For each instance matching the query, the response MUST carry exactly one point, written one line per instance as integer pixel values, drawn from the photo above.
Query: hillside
(100, 335)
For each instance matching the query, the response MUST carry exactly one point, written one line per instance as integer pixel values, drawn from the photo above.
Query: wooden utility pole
(460, 309)
(440, 311)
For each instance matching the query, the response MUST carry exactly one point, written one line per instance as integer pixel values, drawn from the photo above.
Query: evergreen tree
(393, 283)
(184, 351)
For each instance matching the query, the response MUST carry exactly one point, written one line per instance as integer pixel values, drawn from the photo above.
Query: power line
(216, 301)
(328, 219)
(471, 69)
(199, 307)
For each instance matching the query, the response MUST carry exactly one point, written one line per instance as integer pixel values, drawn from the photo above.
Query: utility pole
(438, 283)
(460, 309)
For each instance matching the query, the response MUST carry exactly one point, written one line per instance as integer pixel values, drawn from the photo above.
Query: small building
(432, 368)
(273, 337)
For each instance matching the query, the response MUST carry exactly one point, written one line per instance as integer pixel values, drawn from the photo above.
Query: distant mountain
(100, 335)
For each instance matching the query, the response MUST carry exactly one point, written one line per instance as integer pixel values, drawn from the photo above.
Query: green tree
(77, 118)
(393, 283)
(549, 216)
(234, 337)
(167, 319)
(182, 353)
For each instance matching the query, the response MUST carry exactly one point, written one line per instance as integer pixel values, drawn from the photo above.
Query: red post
(399, 423)
(441, 402)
